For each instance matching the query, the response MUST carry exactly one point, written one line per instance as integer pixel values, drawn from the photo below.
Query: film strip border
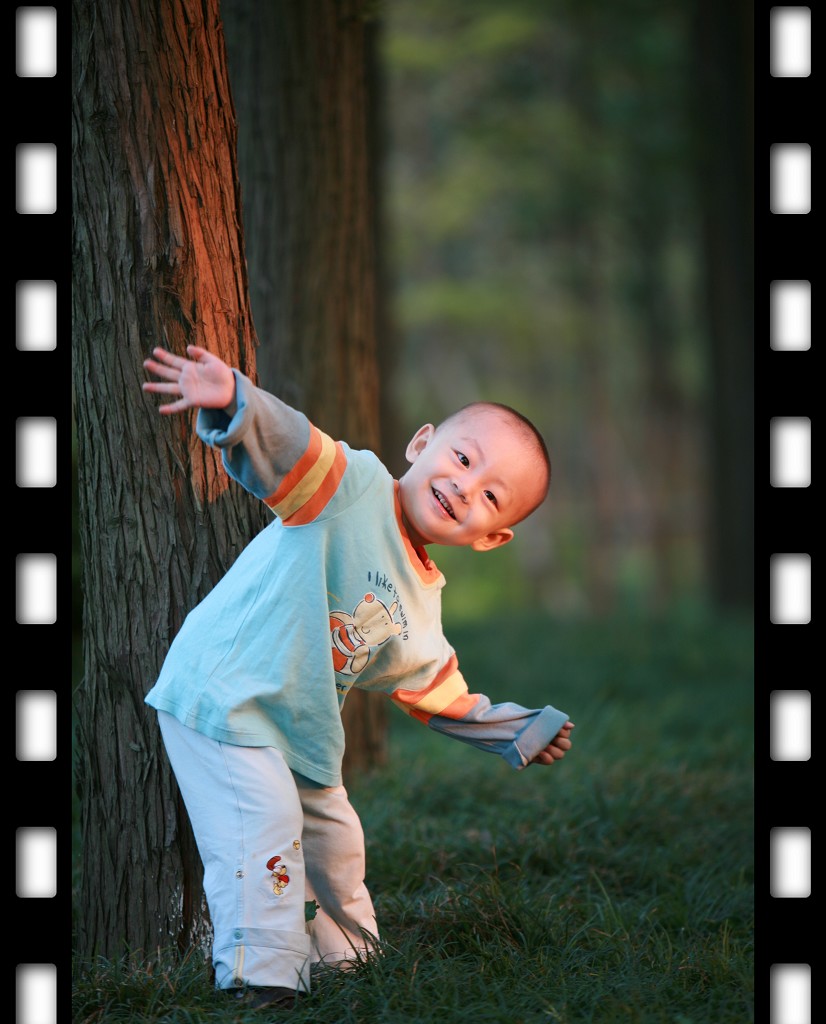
(41, 254)
(784, 117)
(40, 393)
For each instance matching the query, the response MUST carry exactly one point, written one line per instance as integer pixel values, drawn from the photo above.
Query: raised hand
(203, 380)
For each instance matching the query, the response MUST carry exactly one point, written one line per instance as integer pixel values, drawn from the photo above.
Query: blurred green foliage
(542, 236)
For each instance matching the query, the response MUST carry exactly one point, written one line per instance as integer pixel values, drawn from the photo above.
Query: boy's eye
(463, 459)
(490, 496)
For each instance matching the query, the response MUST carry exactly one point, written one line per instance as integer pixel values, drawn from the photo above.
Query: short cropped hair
(528, 429)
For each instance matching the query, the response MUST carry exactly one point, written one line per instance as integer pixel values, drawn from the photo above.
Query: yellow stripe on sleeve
(309, 483)
(437, 699)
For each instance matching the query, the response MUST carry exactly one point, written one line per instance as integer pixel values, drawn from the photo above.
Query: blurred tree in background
(548, 250)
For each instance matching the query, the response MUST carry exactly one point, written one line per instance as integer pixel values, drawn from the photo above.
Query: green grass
(614, 886)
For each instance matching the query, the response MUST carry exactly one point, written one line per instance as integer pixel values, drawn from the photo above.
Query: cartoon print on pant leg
(353, 636)
(280, 878)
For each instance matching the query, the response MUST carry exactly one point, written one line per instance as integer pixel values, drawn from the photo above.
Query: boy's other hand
(203, 380)
(556, 749)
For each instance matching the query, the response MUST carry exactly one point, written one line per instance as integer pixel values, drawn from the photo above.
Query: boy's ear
(493, 540)
(419, 441)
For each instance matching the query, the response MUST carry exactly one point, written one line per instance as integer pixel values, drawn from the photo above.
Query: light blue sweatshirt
(330, 595)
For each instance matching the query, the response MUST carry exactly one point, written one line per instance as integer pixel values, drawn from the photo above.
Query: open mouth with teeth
(444, 502)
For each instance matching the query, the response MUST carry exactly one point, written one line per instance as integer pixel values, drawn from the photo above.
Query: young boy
(338, 591)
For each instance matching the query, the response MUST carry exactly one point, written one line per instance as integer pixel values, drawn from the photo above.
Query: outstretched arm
(522, 736)
(203, 380)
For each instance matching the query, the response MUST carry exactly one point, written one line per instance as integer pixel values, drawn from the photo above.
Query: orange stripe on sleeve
(299, 470)
(409, 697)
(311, 483)
(446, 695)
(316, 504)
(460, 707)
(456, 709)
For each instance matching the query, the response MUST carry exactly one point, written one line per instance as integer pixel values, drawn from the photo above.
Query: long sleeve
(516, 733)
(261, 443)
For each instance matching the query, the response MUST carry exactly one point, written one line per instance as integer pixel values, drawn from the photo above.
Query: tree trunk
(308, 151)
(158, 259)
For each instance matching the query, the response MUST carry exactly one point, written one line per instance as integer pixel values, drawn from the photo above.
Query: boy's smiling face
(470, 479)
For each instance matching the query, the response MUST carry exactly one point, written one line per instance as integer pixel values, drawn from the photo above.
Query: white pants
(271, 840)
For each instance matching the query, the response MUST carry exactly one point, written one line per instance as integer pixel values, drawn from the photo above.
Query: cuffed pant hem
(258, 957)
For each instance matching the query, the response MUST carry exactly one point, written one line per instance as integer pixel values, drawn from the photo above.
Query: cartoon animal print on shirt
(353, 636)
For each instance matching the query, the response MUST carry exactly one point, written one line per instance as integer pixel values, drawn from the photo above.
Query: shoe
(258, 997)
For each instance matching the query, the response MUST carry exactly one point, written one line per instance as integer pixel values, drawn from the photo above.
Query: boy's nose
(457, 490)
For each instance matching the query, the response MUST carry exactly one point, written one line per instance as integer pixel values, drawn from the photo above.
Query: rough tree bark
(158, 259)
(308, 152)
